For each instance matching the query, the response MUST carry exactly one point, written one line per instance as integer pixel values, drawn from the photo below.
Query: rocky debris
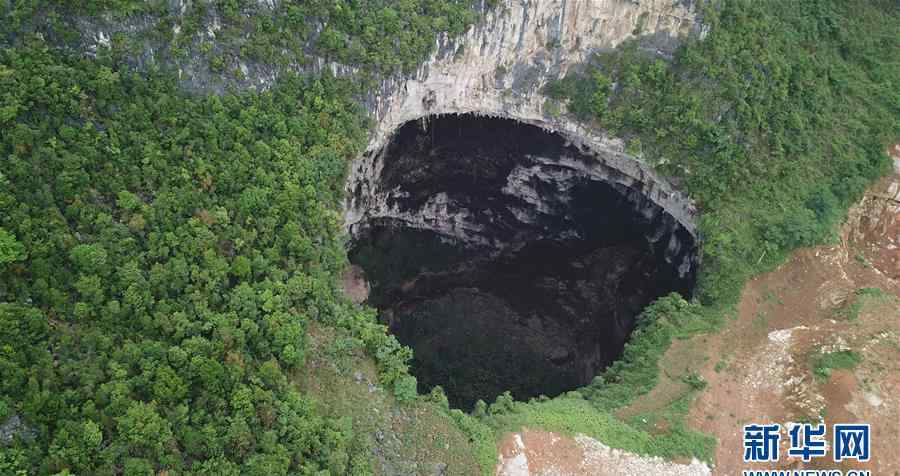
(772, 372)
(873, 225)
(542, 453)
(628, 464)
(873, 399)
(515, 464)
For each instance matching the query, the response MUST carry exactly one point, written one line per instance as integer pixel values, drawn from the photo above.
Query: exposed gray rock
(499, 68)
(14, 427)
(535, 197)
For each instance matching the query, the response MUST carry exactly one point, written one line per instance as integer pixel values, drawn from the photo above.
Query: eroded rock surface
(500, 67)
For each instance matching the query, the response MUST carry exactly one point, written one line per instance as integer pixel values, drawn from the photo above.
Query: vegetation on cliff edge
(162, 255)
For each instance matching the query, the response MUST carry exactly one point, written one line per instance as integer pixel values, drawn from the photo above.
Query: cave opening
(508, 258)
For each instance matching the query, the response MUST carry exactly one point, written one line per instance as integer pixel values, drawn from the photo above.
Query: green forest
(376, 36)
(163, 257)
(163, 254)
(774, 123)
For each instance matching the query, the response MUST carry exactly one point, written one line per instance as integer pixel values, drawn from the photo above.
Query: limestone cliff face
(501, 64)
(499, 68)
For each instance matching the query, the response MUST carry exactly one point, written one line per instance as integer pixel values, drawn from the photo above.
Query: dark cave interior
(503, 264)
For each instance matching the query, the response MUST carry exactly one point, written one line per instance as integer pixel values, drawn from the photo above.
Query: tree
(89, 259)
(600, 98)
(144, 432)
(10, 249)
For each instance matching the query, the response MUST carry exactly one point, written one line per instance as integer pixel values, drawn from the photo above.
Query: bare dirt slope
(825, 299)
(765, 365)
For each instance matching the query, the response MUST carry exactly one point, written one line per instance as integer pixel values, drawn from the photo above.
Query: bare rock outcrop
(500, 67)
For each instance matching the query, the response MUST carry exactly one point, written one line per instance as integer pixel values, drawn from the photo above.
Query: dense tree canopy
(162, 256)
(379, 36)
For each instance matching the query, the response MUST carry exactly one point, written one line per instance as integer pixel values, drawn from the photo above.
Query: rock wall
(495, 183)
(499, 68)
(507, 259)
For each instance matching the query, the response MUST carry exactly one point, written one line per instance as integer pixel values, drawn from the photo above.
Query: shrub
(843, 359)
(405, 388)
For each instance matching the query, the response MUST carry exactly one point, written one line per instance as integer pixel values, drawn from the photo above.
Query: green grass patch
(824, 364)
(573, 414)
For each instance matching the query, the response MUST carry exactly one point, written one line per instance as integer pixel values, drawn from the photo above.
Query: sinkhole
(506, 257)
